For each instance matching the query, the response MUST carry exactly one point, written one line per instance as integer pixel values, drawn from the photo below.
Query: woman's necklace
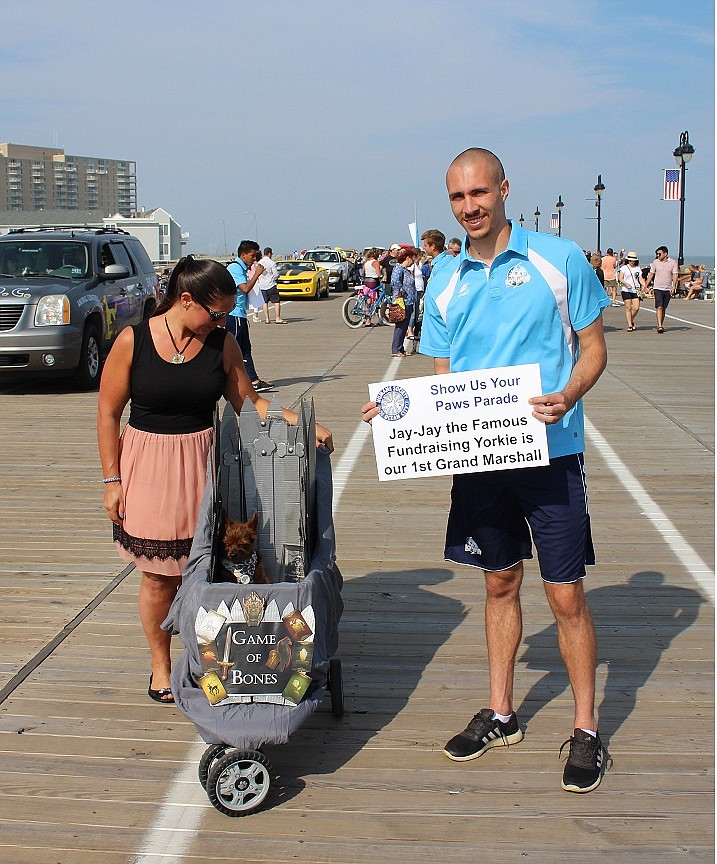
(178, 356)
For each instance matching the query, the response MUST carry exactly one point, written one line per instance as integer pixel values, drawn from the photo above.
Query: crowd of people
(403, 271)
(661, 280)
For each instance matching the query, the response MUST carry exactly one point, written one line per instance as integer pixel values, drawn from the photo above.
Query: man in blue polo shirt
(236, 322)
(522, 297)
(433, 243)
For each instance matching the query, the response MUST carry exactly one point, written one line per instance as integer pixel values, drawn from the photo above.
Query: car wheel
(87, 376)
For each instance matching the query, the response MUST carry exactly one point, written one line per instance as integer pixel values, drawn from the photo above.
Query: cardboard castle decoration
(269, 467)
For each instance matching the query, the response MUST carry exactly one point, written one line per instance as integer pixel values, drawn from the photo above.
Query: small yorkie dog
(240, 561)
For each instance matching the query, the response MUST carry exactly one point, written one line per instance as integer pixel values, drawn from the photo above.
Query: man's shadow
(635, 624)
(391, 629)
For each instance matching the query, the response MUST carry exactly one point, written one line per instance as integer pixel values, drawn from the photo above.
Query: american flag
(554, 221)
(672, 185)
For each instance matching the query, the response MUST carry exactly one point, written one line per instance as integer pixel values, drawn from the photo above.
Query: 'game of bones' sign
(252, 652)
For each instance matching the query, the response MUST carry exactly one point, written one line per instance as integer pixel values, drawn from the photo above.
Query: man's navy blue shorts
(662, 299)
(494, 513)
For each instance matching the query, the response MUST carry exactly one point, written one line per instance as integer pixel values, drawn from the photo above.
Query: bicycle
(358, 309)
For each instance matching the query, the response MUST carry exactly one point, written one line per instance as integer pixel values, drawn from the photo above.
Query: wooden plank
(83, 781)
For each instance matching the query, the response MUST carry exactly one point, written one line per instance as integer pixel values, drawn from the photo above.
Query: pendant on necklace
(177, 358)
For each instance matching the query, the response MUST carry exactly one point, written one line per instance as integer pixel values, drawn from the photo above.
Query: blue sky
(327, 119)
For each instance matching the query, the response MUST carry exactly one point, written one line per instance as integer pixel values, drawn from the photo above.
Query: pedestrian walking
(632, 288)
(663, 278)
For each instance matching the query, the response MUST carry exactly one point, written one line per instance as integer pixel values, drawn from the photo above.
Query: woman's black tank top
(175, 398)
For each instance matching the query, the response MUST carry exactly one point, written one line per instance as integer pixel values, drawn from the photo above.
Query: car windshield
(286, 267)
(320, 255)
(64, 258)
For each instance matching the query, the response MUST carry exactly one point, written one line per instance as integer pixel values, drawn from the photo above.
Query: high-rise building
(46, 178)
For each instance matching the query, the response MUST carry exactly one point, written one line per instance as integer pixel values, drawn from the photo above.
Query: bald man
(522, 297)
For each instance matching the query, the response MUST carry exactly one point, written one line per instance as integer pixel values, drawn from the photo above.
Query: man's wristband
(112, 480)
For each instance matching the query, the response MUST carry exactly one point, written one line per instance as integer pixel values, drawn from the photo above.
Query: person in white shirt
(267, 284)
(632, 285)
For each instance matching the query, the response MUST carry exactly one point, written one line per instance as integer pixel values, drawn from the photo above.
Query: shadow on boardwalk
(636, 622)
(392, 628)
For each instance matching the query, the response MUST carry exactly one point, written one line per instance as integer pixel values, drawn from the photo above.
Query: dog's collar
(243, 572)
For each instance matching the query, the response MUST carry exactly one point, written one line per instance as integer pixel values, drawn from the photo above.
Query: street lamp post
(537, 218)
(559, 207)
(256, 224)
(599, 188)
(521, 220)
(682, 155)
(218, 219)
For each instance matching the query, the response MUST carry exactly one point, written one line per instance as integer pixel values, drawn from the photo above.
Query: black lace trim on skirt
(140, 547)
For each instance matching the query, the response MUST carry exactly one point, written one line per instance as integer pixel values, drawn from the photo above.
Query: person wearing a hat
(663, 271)
(632, 286)
(388, 262)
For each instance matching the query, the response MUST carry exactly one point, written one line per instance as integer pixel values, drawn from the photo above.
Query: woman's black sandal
(159, 695)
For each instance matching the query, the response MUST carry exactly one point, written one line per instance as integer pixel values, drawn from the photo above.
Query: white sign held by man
(458, 423)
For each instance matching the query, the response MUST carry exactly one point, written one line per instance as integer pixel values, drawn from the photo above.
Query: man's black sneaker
(482, 733)
(584, 768)
(262, 386)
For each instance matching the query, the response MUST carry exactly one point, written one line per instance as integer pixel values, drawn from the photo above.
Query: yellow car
(302, 279)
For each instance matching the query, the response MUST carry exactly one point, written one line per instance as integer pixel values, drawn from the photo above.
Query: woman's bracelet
(112, 480)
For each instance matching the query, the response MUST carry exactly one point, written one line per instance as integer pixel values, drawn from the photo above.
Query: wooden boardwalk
(93, 772)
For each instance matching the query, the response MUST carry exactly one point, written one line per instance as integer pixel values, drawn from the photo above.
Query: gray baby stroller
(259, 655)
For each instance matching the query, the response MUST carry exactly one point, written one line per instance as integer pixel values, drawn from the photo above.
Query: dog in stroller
(259, 656)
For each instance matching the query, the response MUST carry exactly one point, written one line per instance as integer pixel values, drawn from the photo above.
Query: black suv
(65, 294)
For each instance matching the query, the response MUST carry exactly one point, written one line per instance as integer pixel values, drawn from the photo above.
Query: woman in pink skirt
(172, 369)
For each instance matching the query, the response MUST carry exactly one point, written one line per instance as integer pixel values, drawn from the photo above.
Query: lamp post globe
(521, 220)
(683, 154)
(559, 207)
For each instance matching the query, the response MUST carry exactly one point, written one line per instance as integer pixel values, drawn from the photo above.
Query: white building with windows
(157, 230)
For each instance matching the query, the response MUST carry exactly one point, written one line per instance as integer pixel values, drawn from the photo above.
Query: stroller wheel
(336, 688)
(239, 782)
(209, 757)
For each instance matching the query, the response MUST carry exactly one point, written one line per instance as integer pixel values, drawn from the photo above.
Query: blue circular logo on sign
(393, 402)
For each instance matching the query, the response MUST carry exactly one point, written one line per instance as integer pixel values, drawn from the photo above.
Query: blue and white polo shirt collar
(517, 244)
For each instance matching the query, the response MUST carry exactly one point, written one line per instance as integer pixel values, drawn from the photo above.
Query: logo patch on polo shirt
(517, 275)
(463, 290)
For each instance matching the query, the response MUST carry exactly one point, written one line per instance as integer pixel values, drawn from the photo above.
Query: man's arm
(592, 361)
(441, 365)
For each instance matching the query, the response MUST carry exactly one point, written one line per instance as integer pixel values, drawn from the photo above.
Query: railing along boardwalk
(87, 761)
